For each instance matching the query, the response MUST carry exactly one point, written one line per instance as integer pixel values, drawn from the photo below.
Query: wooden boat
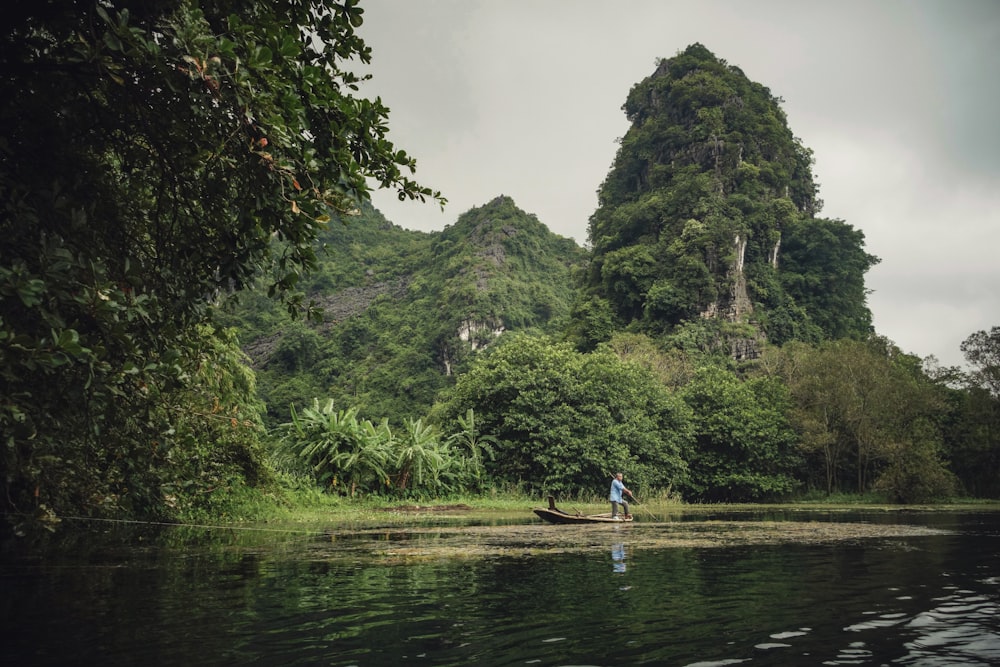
(553, 514)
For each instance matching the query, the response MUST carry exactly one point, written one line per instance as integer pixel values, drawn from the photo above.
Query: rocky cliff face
(520, 272)
(737, 306)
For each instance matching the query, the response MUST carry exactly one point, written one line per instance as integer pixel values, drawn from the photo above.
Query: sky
(898, 99)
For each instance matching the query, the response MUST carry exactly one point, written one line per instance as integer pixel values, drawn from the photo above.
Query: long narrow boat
(553, 514)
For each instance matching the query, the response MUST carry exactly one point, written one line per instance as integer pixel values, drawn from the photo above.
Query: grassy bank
(307, 505)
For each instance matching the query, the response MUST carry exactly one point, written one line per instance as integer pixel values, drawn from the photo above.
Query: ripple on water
(883, 621)
(856, 653)
(801, 632)
(965, 630)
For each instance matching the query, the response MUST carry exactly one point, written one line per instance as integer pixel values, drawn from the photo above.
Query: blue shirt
(616, 490)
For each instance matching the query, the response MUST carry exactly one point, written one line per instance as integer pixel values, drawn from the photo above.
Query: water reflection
(322, 599)
(618, 558)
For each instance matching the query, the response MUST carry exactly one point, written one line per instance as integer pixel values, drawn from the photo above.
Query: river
(761, 588)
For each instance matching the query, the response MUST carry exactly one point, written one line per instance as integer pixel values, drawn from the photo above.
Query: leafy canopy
(744, 445)
(155, 156)
(562, 420)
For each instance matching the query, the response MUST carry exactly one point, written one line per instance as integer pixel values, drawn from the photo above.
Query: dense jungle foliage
(155, 157)
(159, 159)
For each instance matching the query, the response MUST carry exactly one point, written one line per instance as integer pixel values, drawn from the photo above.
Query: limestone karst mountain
(709, 214)
(405, 310)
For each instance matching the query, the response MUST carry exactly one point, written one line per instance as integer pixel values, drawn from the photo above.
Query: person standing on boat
(617, 489)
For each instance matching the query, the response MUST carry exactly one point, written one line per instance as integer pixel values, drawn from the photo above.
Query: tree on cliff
(154, 156)
(708, 211)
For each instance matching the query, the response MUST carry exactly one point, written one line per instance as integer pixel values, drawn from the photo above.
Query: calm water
(129, 597)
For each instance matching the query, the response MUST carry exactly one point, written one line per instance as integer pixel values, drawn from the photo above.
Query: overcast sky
(898, 100)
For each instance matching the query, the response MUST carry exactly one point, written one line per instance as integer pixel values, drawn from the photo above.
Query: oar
(644, 508)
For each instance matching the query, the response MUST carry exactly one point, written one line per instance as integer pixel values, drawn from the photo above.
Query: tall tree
(974, 433)
(153, 157)
(982, 351)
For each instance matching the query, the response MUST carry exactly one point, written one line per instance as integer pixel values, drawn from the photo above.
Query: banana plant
(476, 444)
(340, 449)
(420, 457)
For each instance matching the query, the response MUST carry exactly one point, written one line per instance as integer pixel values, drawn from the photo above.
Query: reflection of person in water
(618, 556)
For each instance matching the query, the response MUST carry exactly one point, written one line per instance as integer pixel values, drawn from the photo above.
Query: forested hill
(403, 310)
(709, 214)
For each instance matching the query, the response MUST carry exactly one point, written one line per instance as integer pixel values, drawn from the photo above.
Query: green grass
(291, 502)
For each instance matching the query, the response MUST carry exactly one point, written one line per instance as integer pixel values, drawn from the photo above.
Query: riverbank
(310, 507)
